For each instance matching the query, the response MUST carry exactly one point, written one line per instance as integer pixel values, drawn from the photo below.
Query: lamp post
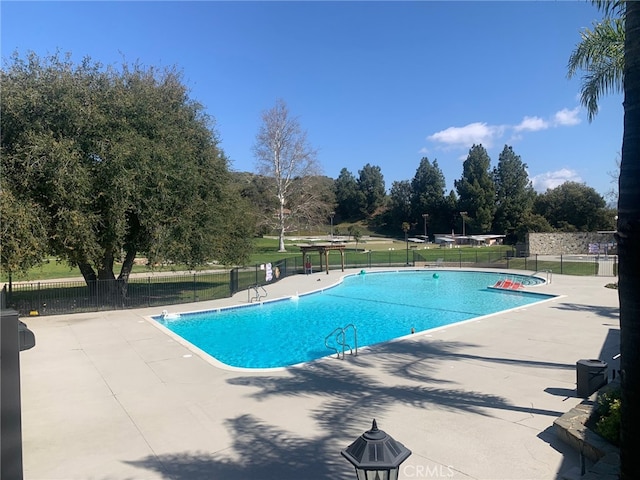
(425, 216)
(405, 229)
(462, 214)
(376, 455)
(331, 215)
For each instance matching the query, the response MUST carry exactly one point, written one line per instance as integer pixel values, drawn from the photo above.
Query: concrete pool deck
(108, 395)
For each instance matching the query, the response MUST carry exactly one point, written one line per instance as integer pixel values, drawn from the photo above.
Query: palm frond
(600, 54)
(610, 7)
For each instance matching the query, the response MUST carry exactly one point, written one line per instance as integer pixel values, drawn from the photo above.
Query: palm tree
(629, 249)
(600, 54)
(607, 71)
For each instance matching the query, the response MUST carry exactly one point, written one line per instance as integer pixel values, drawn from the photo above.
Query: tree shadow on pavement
(599, 310)
(351, 396)
(259, 451)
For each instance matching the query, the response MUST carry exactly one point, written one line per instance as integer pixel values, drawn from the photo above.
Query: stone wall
(561, 243)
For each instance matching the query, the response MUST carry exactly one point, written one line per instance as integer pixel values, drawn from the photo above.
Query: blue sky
(383, 83)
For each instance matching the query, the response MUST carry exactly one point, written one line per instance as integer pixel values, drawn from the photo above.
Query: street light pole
(405, 228)
(425, 216)
(406, 239)
(331, 217)
(462, 214)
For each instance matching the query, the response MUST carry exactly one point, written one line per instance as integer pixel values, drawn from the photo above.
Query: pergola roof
(323, 248)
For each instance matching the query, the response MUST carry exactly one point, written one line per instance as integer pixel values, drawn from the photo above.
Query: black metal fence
(55, 298)
(63, 297)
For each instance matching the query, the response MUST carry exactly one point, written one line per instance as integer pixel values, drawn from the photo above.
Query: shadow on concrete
(408, 359)
(562, 392)
(599, 310)
(571, 458)
(259, 451)
(352, 398)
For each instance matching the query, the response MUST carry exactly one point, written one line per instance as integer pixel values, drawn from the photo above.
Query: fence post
(232, 282)
(194, 287)
(459, 258)
(561, 264)
(148, 291)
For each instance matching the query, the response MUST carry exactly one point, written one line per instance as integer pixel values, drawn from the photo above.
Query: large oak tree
(120, 161)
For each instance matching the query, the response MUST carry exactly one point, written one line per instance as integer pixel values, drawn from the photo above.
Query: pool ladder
(258, 293)
(548, 272)
(340, 336)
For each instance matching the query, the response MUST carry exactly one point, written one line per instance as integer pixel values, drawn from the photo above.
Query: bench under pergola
(323, 249)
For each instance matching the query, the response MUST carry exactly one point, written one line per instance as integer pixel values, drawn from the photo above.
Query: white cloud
(487, 135)
(478, 132)
(531, 124)
(544, 181)
(423, 151)
(566, 117)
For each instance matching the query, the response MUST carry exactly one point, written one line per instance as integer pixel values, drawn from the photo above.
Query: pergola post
(323, 250)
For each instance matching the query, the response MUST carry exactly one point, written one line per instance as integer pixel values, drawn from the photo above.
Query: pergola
(323, 249)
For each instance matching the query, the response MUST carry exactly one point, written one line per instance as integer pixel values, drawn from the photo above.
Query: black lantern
(376, 455)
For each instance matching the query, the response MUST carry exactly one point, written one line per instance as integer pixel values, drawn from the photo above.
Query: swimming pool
(382, 305)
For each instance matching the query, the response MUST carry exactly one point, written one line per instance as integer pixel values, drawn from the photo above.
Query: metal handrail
(341, 340)
(258, 295)
(548, 272)
(355, 337)
(337, 331)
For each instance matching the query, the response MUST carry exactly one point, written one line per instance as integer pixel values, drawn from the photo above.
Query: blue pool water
(382, 305)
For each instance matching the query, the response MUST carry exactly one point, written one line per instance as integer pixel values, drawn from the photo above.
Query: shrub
(608, 411)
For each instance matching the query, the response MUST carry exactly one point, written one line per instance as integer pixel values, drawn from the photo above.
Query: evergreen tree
(347, 196)
(371, 188)
(476, 191)
(429, 186)
(514, 192)
(450, 210)
(400, 197)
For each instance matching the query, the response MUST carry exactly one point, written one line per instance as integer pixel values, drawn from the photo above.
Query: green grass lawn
(565, 268)
(374, 250)
(52, 269)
